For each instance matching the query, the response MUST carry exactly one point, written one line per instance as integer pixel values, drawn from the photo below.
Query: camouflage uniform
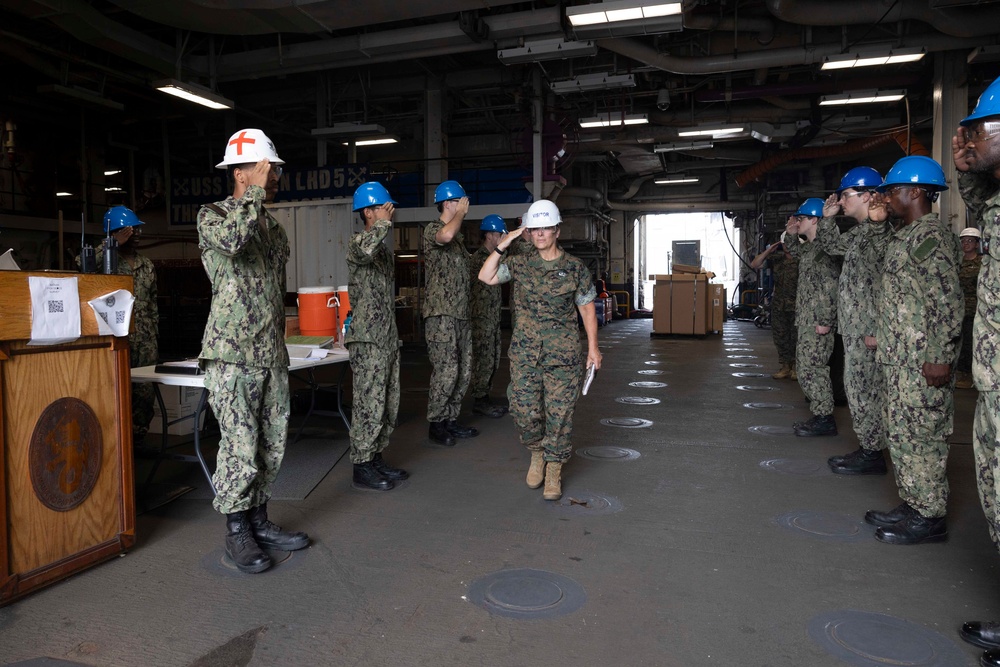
(143, 347)
(546, 367)
(372, 342)
(485, 302)
(968, 278)
(786, 285)
(982, 195)
(863, 249)
(446, 323)
(919, 321)
(815, 305)
(244, 353)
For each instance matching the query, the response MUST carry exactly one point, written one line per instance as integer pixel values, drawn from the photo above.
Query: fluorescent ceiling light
(64, 194)
(682, 146)
(112, 172)
(113, 189)
(599, 81)
(862, 97)
(349, 130)
(676, 179)
(871, 58)
(614, 120)
(546, 49)
(194, 93)
(715, 131)
(619, 18)
(375, 141)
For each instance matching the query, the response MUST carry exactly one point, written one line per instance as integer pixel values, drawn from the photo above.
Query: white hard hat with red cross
(248, 146)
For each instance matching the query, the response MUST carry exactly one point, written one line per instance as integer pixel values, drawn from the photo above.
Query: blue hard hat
(118, 217)
(988, 104)
(493, 223)
(915, 170)
(860, 178)
(812, 207)
(448, 190)
(371, 193)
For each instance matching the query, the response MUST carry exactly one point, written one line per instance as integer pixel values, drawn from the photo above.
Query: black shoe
(985, 634)
(837, 460)
(890, 518)
(818, 425)
(460, 431)
(991, 658)
(482, 406)
(368, 476)
(269, 535)
(914, 529)
(387, 471)
(241, 546)
(862, 462)
(439, 434)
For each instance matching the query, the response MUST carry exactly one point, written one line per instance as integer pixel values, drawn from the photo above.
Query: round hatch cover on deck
(527, 594)
(802, 467)
(833, 526)
(650, 372)
(772, 430)
(749, 375)
(585, 503)
(741, 356)
(754, 387)
(765, 406)
(637, 400)
(741, 365)
(648, 385)
(627, 422)
(609, 453)
(868, 639)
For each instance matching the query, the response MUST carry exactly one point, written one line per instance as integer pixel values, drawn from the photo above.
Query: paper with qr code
(55, 310)
(113, 312)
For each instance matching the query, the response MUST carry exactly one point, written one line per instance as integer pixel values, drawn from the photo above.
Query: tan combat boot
(553, 483)
(785, 372)
(794, 375)
(536, 471)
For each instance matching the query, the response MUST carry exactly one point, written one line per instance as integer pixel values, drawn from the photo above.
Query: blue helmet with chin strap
(493, 223)
(860, 178)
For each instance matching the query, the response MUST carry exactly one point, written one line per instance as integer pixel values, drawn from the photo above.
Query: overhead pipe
(763, 27)
(970, 21)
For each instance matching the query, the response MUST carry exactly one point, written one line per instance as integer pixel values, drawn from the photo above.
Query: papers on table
(306, 352)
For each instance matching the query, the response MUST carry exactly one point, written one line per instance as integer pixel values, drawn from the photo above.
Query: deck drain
(741, 356)
(627, 422)
(772, 430)
(754, 387)
(739, 349)
(744, 365)
(648, 385)
(764, 406)
(637, 400)
(869, 639)
(650, 372)
(585, 503)
(607, 453)
(526, 593)
(833, 526)
(800, 467)
(749, 375)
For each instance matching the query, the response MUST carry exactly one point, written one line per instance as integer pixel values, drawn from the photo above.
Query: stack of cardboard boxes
(684, 302)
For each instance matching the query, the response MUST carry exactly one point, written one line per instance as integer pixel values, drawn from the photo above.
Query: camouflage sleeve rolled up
(244, 254)
(371, 287)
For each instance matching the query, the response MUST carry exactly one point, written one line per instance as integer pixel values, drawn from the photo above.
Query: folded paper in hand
(591, 372)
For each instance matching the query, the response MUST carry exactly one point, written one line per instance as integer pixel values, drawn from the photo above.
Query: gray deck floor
(705, 563)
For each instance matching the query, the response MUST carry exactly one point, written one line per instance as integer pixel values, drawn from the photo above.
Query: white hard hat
(542, 213)
(971, 231)
(248, 146)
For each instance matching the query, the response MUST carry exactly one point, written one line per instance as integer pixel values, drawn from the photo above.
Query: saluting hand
(831, 206)
(959, 153)
(876, 210)
(259, 174)
(509, 238)
(386, 211)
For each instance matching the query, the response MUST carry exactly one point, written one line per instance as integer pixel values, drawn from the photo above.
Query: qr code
(55, 306)
(119, 316)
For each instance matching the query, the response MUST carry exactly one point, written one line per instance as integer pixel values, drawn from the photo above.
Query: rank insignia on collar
(562, 274)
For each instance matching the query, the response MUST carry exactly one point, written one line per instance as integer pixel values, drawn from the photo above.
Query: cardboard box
(716, 307)
(179, 402)
(661, 308)
(686, 268)
(680, 304)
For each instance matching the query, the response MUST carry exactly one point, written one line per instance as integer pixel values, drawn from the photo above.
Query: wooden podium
(67, 495)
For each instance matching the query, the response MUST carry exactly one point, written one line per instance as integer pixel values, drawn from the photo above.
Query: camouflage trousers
(449, 346)
(485, 361)
(542, 400)
(918, 421)
(986, 446)
(784, 334)
(252, 406)
(143, 396)
(812, 356)
(864, 385)
(375, 369)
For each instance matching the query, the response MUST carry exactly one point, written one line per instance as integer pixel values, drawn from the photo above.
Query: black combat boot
(990, 658)
(241, 546)
(270, 535)
(985, 634)
(438, 432)
(818, 425)
(840, 458)
(893, 516)
(387, 471)
(369, 477)
(483, 406)
(861, 462)
(460, 431)
(914, 529)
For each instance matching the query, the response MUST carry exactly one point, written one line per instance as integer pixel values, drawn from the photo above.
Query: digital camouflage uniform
(143, 346)
(446, 323)
(372, 342)
(546, 366)
(815, 305)
(485, 303)
(244, 353)
(982, 195)
(786, 283)
(863, 249)
(968, 278)
(919, 321)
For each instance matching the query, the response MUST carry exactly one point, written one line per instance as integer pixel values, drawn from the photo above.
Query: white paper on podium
(113, 312)
(55, 310)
